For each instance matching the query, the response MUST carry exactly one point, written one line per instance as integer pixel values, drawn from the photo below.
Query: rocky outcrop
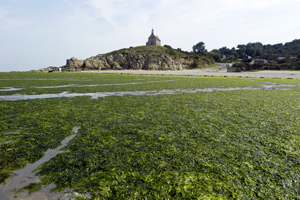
(47, 69)
(137, 58)
(119, 61)
(142, 57)
(73, 64)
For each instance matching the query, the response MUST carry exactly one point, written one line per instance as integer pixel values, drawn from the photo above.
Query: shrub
(168, 46)
(194, 65)
(172, 53)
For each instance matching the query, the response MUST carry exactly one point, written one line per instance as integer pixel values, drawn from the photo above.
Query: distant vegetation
(279, 56)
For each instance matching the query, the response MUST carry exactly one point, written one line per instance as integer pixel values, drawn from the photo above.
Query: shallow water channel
(25, 176)
(94, 85)
(97, 95)
(6, 89)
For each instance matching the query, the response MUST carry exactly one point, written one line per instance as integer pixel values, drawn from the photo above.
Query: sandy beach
(210, 72)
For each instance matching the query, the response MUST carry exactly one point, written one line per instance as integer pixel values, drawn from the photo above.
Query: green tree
(224, 50)
(233, 54)
(215, 56)
(250, 50)
(199, 48)
(241, 48)
(215, 51)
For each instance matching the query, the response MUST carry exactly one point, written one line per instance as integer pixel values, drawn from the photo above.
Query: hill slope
(142, 57)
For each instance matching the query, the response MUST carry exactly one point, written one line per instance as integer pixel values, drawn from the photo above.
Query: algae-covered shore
(150, 137)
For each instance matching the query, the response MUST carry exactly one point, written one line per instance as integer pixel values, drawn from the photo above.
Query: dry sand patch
(207, 72)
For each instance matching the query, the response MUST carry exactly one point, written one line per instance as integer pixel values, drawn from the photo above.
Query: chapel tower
(153, 40)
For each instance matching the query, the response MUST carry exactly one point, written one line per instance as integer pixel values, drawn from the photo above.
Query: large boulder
(122, 61)
(151, 63)
(136, 61)
(74, 64)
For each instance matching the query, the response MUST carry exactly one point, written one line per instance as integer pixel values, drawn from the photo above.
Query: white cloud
(3, 13)
(119, 13)
(9, 22)
(83, 28)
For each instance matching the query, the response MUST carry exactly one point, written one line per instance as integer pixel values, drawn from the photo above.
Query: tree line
(279, 56)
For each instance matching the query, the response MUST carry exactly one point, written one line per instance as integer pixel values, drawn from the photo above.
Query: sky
(36, 34)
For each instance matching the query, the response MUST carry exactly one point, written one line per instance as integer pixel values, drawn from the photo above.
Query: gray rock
(73, 64)
(129, 60)
(47, 69)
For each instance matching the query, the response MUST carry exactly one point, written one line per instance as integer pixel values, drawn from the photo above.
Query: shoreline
(196, 72)
(207, 72)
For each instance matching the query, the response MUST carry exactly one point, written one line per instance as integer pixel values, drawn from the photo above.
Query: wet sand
(97, 95)
(208, 72)
(25, 176)
(106, 84)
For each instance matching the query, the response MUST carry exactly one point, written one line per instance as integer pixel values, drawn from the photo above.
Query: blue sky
(35, 34)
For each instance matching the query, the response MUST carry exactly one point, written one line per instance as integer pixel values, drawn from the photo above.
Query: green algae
(214, 145)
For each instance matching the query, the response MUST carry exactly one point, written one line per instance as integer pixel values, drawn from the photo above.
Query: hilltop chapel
(153, 40)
